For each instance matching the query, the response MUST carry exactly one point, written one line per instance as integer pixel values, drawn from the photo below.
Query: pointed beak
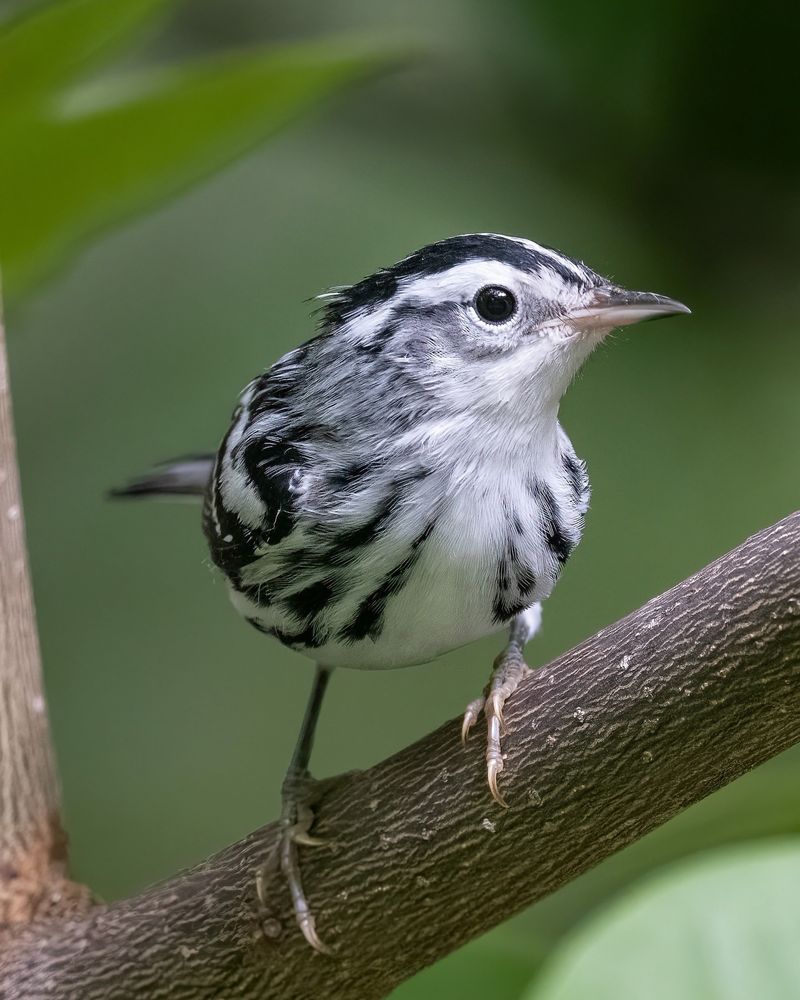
(609, 307)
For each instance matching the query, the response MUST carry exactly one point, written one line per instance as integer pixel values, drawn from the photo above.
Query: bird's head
(487, 320)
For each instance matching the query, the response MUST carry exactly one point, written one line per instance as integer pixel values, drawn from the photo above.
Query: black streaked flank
(345, 541)
(502, 605)
(259, 593)
(330, 549)
(311, 600)
(557, 539)
(310, 637)
(578, 480)
(514, 579)
(505, 604)
(369, 614)
(526, 581)
(368, 619)
(365, 533)
(292, 565)
(514, 565)
(336, 550)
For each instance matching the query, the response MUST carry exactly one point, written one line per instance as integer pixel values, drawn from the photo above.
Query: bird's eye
(495, 304)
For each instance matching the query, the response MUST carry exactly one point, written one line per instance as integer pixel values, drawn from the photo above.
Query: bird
(400, 485)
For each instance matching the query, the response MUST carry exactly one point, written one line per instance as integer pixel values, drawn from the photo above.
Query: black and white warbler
(400, 485)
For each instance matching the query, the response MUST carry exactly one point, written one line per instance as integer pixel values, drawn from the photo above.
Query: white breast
(491, 521)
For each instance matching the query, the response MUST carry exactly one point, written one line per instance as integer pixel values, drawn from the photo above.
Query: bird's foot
(508, 670)
(297, 817)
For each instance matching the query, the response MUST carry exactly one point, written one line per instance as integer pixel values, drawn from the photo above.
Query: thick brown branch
(610, 740)
(32, 846)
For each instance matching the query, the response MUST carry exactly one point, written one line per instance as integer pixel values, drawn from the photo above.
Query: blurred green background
(654, 141)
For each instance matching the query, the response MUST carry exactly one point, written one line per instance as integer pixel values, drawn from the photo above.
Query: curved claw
(467, 723)
(493, 768)
(269, 866)
(309, 931)
(471, 713)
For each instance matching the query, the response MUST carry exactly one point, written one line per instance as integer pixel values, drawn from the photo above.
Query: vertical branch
(32, 845)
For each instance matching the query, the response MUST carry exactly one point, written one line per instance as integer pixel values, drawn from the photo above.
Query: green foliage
(46, 49)
(724, 927)
(80, 157)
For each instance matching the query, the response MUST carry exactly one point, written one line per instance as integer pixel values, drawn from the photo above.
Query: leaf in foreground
(722, 927)
(81, 159)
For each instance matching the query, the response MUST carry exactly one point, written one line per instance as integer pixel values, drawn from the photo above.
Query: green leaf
(44, 49)
(724, 927)
(121, 147)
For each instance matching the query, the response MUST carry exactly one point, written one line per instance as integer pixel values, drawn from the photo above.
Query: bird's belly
(444, 605)
(436, 612)
(431, 585)
(468, 582)
(487, 560)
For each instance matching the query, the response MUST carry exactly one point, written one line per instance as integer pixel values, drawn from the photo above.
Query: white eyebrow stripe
(454, 282)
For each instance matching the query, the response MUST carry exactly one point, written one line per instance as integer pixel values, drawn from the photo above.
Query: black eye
(495, 304)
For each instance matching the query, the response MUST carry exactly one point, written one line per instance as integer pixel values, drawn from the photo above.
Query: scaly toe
(262, 874)
(495, 709)
(290, 866)
(508, 670)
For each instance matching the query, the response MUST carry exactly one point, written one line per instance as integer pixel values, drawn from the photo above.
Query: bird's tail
(182, 478)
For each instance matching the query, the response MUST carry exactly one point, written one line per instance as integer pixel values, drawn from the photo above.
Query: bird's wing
(251, 504)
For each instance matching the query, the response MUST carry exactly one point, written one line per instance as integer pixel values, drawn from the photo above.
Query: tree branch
(607, 742)
(33, 878)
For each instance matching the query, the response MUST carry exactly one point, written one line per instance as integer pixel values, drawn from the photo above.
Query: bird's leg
(508, 670)
(297, 816)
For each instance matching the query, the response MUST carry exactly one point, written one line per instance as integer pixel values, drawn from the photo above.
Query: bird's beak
(609, 307)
